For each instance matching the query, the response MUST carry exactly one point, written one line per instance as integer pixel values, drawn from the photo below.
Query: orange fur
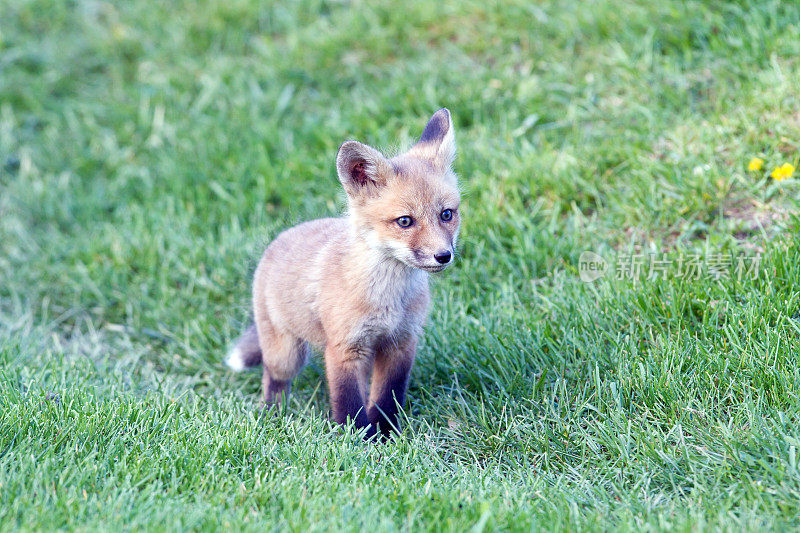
(357, 286)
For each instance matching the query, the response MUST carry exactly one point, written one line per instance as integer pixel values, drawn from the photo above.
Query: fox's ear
(438, 140)
(361, 169)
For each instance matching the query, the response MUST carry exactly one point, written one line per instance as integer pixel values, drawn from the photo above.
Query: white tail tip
(235, 360)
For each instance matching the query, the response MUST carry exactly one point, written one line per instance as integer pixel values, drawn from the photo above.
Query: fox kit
(357, 286)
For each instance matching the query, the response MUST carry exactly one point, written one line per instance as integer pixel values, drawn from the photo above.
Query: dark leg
(346, 381)
(274, 391)
(389, 382)
(283, 356)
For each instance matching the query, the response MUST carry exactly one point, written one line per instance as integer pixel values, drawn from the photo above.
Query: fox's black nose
(442, 257)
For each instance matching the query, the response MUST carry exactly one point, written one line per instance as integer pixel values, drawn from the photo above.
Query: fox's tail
(246, 353)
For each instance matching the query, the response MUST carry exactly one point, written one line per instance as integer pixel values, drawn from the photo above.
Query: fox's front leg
(347, 375)
(390, 374)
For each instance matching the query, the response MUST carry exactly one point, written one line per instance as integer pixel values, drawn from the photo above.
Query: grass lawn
(150, 150)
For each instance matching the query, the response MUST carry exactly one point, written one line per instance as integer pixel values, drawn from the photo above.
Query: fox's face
(406, 207)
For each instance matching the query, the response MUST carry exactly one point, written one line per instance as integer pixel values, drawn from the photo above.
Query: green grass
(148, 151)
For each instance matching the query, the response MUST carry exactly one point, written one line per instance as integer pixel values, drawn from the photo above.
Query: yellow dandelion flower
(755, 164)
(782, 172)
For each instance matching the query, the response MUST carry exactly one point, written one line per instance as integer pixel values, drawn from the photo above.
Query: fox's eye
(404, 222)
(446, 215)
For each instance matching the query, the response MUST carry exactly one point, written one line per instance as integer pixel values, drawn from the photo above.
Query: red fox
(357, 286)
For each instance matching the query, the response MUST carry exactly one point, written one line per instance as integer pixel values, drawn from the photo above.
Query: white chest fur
(391, 289)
